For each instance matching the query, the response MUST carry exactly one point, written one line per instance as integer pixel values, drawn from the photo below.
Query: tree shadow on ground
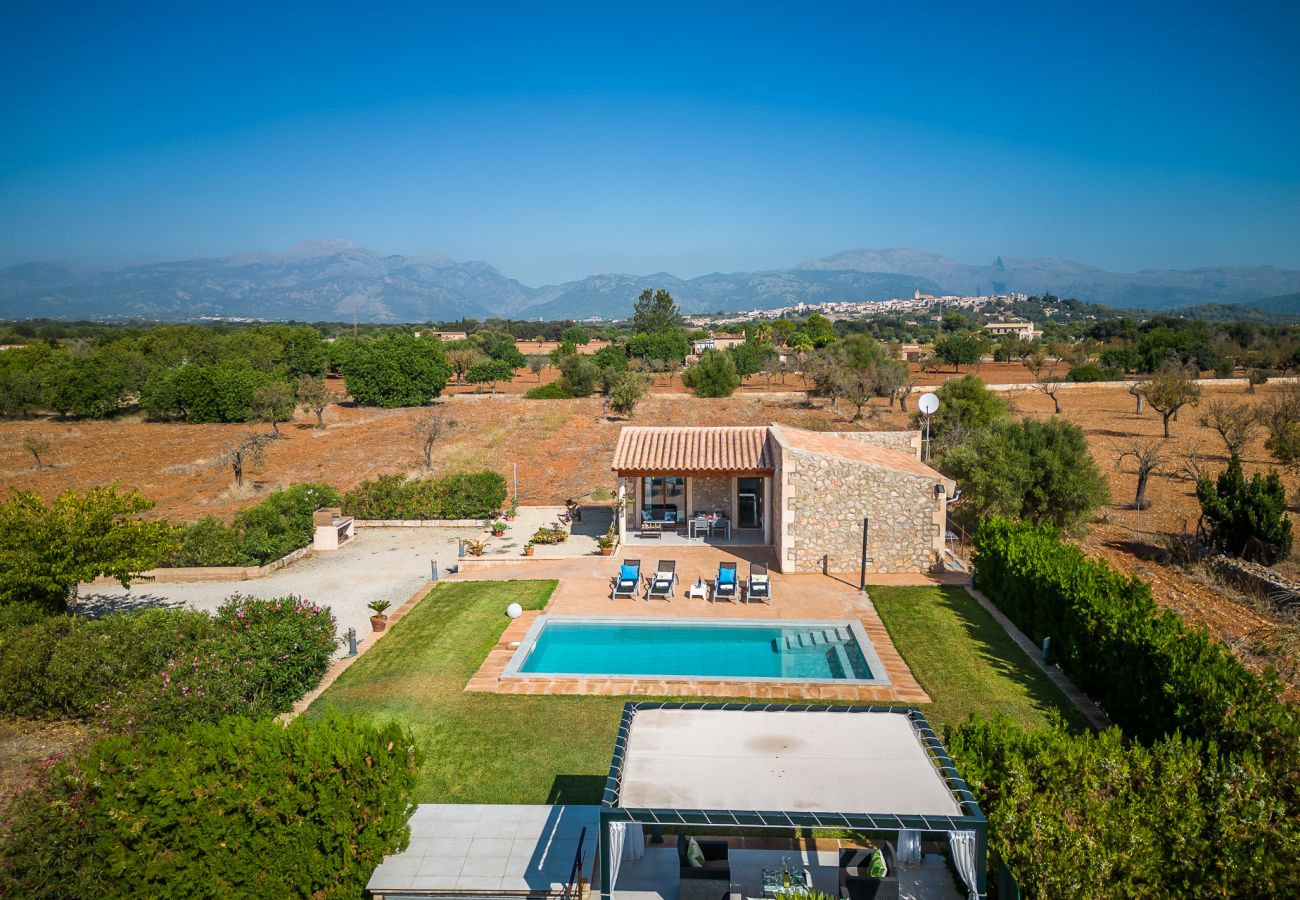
(94, 606)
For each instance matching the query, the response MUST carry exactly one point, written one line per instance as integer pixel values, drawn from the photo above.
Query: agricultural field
(563, 449)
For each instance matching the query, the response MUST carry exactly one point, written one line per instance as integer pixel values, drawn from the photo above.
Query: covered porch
(695, 486)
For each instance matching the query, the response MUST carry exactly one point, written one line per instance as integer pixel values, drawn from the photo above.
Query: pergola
(791, 768)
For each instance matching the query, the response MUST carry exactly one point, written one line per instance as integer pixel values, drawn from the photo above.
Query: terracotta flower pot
(607, 551)
(528, 551)
(378, 623)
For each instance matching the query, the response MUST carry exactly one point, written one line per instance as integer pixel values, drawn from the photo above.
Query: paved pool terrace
(584, 588)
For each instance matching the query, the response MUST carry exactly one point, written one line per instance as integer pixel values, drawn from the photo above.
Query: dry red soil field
(563, 448)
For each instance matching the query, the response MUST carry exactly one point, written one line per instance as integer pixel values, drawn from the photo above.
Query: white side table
(698, 588)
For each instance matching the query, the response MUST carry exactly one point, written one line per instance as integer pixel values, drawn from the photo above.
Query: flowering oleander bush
(237, 808)
(162, 668)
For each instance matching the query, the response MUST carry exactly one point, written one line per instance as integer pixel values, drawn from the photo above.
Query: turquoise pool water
(829, 651)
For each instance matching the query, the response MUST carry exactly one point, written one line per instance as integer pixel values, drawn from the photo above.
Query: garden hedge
(1096, 816)
(460, 495)
(1152, 673)
(260, 534)
(238, 808)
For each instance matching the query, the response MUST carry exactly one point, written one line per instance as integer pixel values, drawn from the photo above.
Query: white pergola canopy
(780, 760)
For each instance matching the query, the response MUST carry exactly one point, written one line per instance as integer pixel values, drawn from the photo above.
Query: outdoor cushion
(877, 867)
(726, 576)
(758, 579)
(627, 573)
(694, 855)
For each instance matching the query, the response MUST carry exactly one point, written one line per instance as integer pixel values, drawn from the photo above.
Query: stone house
(805, 494)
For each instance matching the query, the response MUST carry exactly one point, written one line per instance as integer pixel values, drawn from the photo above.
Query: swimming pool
(836, 651)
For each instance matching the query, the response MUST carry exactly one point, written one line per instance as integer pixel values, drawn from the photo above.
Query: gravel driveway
(380, 563)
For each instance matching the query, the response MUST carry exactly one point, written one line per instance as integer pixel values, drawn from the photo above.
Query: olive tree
(1235, 423)
(273, 402)
(313, 396)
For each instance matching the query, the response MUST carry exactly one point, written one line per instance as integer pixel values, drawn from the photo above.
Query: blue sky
(560, 140)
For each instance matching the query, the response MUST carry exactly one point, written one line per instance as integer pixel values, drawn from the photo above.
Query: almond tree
(1169, 390)
(1149, 457)
(247, 451)
(313, 397)
(1236, 423)
(427, 429)
(1045, 381)
(36, 445)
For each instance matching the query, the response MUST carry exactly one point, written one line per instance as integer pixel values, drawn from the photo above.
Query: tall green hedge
(238, 808)
(461, 495)
(1151, 672)
(1097, 816)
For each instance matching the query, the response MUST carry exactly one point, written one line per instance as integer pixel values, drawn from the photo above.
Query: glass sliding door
(663, 499)
(749, 503)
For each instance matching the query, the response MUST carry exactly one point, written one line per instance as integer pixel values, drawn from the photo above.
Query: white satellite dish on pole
(928, 404)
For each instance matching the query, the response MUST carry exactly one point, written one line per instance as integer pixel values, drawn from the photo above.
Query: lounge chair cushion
(627, 573)
(694, 855)
(726, 576)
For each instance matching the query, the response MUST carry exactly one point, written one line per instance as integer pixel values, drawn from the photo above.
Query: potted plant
(528, 549)
(498, 528)
(606, 544)
(475, 548)
(379, 621)
(513, 510)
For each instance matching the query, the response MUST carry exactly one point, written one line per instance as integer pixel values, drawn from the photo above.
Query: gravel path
(380, 563)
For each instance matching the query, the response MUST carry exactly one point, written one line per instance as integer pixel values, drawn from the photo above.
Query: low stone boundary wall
(1255, 579)
(183, 574)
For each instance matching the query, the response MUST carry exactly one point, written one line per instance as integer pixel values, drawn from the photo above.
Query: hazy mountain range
(332, 280)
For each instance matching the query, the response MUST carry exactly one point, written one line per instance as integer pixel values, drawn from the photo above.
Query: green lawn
(964, 660)
(503, 748)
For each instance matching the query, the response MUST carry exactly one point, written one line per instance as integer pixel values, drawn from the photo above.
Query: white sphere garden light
(514, 610)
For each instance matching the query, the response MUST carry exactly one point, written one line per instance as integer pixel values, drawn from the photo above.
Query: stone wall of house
(906, 441)
(708, 494)
(823, 505)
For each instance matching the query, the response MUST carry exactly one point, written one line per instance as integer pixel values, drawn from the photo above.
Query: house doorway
(749, 503)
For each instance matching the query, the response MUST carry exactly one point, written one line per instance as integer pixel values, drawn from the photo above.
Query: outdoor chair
(759, 584)
(664, 581)
(856, 884)
(627, 580)
(725, 587)
(709, 881)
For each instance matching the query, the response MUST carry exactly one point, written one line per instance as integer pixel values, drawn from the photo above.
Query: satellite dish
(928, 404)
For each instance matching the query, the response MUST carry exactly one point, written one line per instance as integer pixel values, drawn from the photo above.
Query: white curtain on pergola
(961, 845)
(624, 843)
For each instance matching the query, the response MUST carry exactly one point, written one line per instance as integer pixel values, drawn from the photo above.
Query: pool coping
(526, 645)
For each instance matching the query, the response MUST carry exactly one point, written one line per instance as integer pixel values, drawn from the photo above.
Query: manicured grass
(964, 660)
(504, 748)
(479, 748)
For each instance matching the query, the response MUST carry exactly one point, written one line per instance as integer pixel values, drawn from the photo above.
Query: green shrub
(714, 375)
(578, 374)
(158, 668)
(71, 667)
(211, 542)
(1095, 816)
(1246, 518)
(611, 356)
(1090, 373)
(460, 495)
(282, 523)
(1148, 670)
(552, 391)
(238, 808)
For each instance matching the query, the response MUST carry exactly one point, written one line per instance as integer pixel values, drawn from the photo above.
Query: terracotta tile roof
(669, 449)
(857, 451)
